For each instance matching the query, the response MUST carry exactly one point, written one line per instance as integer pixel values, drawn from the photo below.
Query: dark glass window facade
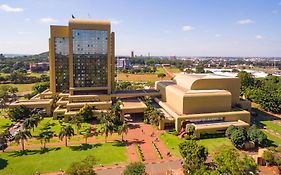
(61, 64)
(90, 58)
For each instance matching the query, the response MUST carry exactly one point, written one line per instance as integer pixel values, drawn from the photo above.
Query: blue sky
(158, 27)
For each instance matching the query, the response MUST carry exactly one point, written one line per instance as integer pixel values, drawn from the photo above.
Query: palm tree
(123, 129)
(66, 132)
(32, 121)
(107, 126)
(22, 136)
(77, 121)
(87, 133)
(45, 137)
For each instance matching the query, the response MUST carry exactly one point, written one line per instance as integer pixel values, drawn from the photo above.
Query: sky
(158, 27)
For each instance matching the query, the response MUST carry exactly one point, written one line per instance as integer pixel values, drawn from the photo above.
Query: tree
(3, 140)
(86, 112)
(161, 75)
(194, 156)
(22, 136)
(230, 130)
(123, 129)
(84, 167)
(31, 122)
(40, 87)
(137, 168)
(66, 132)
(107, 124)
(257, 136)
(19, 112)
(239, 138)
(246, 79)
(45, 134)
(227, 161)
(77, 121)
(86, 134)
(190, 129)
(199, 69)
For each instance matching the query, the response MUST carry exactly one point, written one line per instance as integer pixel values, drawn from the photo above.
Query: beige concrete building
(209, 102)
(82, 71)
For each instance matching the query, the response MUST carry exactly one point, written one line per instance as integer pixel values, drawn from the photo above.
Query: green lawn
(5, 123)
(276, 141)
(272, 126)
(55, 126)
(212, 144)
(60, 158)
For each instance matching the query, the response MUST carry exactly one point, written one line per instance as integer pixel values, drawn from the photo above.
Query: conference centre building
(83, 68)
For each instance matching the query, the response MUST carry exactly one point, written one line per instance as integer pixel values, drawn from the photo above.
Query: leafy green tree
(199, 69)
(19, 112)
(22, 136)
(66, 133)
(190, 129)
(86, 112)
(40, 87)
(194, 156)
(239, 138)
(246, 79)
(137, 168)
(84, 167)
(3, 140)
(227, 161)
(257, 136)
(230, 130)
(189, 71)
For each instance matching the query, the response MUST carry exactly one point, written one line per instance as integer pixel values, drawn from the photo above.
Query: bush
(239, 138)
(257, 136)
(268, 157)
(19, 112)
(230, 130)
(84, 167)
(137, 168)
(190, 129)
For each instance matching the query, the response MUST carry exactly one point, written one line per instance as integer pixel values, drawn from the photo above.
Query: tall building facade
(82, 58)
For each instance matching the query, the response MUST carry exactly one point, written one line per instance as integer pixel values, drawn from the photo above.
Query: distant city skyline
(159, 27)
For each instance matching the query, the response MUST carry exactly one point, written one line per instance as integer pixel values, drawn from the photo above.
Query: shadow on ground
(3, 163)
(32, 152)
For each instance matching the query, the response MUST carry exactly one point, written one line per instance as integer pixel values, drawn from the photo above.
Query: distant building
(132, 54)
(2, 56)
(123, 63)
(39, 67)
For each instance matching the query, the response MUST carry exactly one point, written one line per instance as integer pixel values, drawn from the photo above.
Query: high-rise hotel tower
(81, 57)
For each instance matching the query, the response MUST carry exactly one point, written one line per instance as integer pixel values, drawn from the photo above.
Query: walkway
(145, 135)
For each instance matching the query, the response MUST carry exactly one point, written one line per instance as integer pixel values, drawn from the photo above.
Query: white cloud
(27, 19)
(8, 8)
(218, 35)
(259, 37)
(187, 28)
(245, 21)
(48, 20)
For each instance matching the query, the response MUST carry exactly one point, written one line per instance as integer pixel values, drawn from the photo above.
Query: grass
(23, 87)
(275, 140)
(55, 126)
(272, 126)
(3, 111)
(57, 159)
(212, 144)
(5, 123)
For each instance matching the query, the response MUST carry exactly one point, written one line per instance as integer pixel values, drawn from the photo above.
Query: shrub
(190, 129)
(84, 167)
(268, 157)
(239, 138)
(137, 168)
(257, 136)
(230, 130)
